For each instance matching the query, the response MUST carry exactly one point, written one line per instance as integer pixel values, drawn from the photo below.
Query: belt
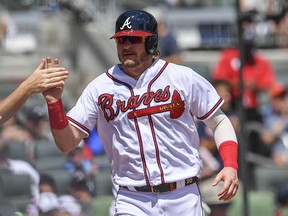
(162, 188)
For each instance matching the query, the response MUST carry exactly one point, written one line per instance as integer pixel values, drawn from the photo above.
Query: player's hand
(230, 179)
(54, 93)
(44, 78)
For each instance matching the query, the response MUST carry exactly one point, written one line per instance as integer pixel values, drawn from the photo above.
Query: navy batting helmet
(138, 23)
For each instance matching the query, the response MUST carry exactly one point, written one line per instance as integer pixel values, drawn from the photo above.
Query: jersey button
(151, 161)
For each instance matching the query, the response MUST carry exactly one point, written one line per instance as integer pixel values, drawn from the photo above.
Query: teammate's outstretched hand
(54, 92)
(42, 78)
(230, 187)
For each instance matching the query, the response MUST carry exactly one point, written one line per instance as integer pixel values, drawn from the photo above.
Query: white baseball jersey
(146, 125)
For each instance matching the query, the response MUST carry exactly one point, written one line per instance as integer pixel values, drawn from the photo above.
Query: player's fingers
(235, 190)
(225, 188)
(56, 62)
(48, 62)
(231, 192)
(217, 179)
(227, 196)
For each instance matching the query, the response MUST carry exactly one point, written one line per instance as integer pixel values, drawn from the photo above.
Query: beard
(132, 63)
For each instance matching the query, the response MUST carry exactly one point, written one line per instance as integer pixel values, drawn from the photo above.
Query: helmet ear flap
(151, 45)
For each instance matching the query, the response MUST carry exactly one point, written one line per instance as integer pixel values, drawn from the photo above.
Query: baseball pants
(181, 202)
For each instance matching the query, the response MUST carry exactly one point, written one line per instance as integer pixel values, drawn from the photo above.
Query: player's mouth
(128, 54)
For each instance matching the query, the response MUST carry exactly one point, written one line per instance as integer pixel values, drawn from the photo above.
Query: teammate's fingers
(56, 84)
(41, 65)
(56, 71)
(57, 79)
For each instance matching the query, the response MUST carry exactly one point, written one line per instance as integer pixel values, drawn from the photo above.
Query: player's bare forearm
(68, 138)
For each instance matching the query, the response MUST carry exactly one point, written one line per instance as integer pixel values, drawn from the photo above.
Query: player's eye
(131, 39)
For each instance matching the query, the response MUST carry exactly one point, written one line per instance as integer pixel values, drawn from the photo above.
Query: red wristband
(57, 116)
(229, 154)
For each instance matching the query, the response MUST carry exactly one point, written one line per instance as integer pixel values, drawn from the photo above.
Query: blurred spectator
(281, 199)
(281, 30)
(81, 190)
(169, 48)
(69, 205)
(12, 127)
(47, 191)
(19, 167)
(279, 129)
(272, 109)
(47, 184)
(267, 18)
(274, 133)
(50, 203)
(258, 74)
(37, 123)
(77, 164)
(271, 115)
(3, 25)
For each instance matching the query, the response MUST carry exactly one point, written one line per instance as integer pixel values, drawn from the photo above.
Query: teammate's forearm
(12, 103)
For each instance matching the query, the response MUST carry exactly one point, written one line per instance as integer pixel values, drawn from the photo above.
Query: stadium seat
(16, 189)
(50, 163)
(18, 151)
(7, 207)
(45, 148)
(62, 179)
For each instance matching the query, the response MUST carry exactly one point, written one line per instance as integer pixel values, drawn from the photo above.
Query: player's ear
(151, 45)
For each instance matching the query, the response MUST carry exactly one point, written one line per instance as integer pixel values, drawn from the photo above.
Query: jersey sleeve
(84, 114)
(205, 100)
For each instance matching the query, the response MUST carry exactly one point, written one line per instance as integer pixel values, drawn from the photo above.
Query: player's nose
(127, 44)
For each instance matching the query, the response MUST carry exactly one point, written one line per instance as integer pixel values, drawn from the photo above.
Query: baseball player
(144, 110)
(38, 81)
